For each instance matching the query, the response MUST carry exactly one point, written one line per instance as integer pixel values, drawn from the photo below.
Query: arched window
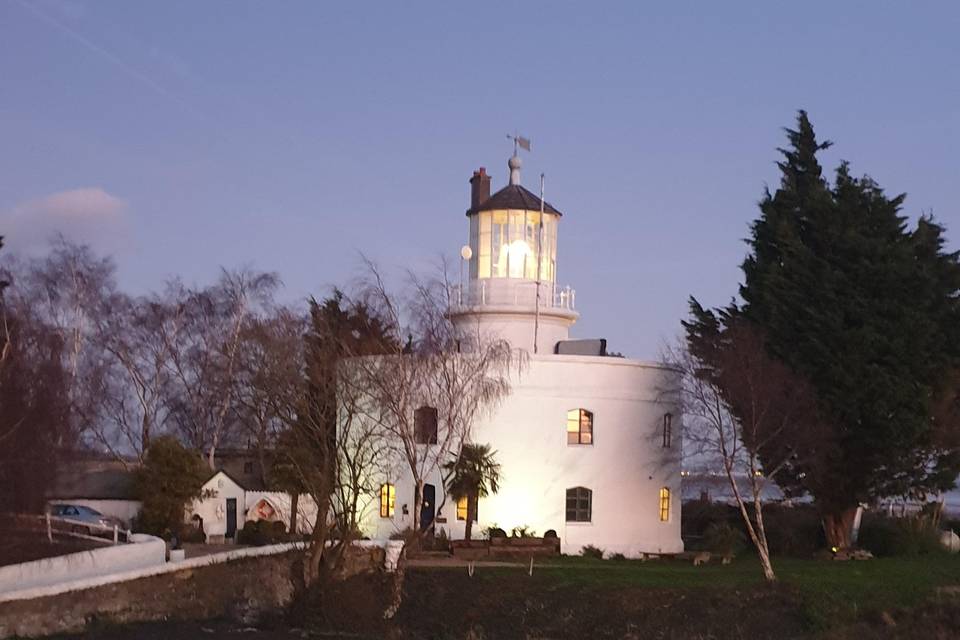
(579, 426)
(667, 429)
(664, 504)
(425, 425)
(388, 499)
(579, 504)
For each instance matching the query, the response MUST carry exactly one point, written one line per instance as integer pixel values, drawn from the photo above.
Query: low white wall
(393, 550)
(142, 551)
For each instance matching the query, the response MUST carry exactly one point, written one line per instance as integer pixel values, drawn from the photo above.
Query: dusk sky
(182, 136)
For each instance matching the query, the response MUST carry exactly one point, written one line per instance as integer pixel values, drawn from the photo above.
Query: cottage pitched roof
(514, 196)
(93, 480)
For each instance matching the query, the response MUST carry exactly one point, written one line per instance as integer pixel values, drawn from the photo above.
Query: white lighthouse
(512, 289)
(588, 443)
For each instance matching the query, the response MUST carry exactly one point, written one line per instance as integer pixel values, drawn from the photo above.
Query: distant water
(716, 488)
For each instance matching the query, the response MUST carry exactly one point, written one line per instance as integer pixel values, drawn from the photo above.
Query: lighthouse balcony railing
(510, 292)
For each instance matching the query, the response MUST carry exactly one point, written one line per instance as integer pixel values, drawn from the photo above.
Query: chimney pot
(479, 188)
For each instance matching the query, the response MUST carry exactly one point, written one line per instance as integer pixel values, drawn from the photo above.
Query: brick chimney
(479, 188)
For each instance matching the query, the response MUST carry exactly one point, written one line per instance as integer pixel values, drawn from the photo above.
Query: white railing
(505, 291)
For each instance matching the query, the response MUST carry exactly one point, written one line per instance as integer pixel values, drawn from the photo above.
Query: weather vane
(519, 142)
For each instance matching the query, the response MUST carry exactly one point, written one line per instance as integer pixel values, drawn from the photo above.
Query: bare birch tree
(460, 377)
(205, 356)
(136, 339)
(270, 376)
(777, 429)
(68, 291)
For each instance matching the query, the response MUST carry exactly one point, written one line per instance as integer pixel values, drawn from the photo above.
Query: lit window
(667, 429)
(664, 504)
(388, 499)
(462, 509)
(579, 427)
(425, 425)
(579, 504)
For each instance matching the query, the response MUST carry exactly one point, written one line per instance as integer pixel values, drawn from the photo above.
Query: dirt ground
(25, 546)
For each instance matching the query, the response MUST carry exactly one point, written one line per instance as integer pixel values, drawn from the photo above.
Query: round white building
(588, 443)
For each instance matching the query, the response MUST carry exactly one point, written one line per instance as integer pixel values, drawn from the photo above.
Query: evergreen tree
(865, 310)
(171, 476)
(308, 451)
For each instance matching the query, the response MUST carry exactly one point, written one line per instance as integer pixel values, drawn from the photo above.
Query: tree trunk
(211, 457)
(417, 501)
(294, 504)
(470, 516)
(838, 527)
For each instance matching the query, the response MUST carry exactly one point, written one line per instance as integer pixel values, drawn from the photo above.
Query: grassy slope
(832, 592)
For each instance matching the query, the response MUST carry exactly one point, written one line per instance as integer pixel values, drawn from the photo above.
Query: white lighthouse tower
(512, 289)
(588, 443)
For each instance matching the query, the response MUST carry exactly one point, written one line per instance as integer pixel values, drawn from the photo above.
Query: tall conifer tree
(865, 309)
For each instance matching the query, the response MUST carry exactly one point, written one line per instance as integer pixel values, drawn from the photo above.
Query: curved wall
(625, 467)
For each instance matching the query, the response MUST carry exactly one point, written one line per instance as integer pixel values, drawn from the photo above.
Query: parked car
(84, 519)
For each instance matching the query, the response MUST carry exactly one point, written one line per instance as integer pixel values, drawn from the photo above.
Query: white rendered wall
(143, 551)
(625, 467)
(517, 325)
(126, 510)
(213, 509)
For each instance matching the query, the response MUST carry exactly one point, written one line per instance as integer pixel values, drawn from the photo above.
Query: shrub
(550, 533)
(494, 532)
(722, 538)
(618, 556)
(697, 515)
(884, 536)
(523, 531)
(191, 533)
(171, 476)
(262, 532)
(440, 541)
(591, 551)
(793, 531)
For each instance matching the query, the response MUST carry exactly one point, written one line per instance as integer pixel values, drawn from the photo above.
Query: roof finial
(514, 163)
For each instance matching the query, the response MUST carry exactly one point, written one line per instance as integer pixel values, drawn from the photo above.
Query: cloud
(88, 215)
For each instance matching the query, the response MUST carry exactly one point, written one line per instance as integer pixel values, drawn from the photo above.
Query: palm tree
(474, 475)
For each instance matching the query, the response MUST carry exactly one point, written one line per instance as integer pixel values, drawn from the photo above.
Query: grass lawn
(832, 592)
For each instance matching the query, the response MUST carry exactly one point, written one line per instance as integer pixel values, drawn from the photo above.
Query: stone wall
(244, 589)
(245, 585)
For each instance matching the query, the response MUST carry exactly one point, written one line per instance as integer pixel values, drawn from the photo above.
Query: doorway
(231, 517)
(429, 507)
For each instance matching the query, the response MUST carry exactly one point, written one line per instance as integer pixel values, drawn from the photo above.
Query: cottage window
(248, 468)
(664, 504)
(579, 504)
(388, 499)
(462, 509)
(579, 426)
(667, 429)
(425, 425)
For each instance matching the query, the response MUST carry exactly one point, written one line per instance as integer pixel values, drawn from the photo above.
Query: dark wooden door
(231, 517)
(429, 507)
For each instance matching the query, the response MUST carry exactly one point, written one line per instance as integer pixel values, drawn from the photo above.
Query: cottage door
(429, 508)
(231, 517)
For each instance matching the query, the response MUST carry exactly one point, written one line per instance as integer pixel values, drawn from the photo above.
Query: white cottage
(589, 444)
(226, 505)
